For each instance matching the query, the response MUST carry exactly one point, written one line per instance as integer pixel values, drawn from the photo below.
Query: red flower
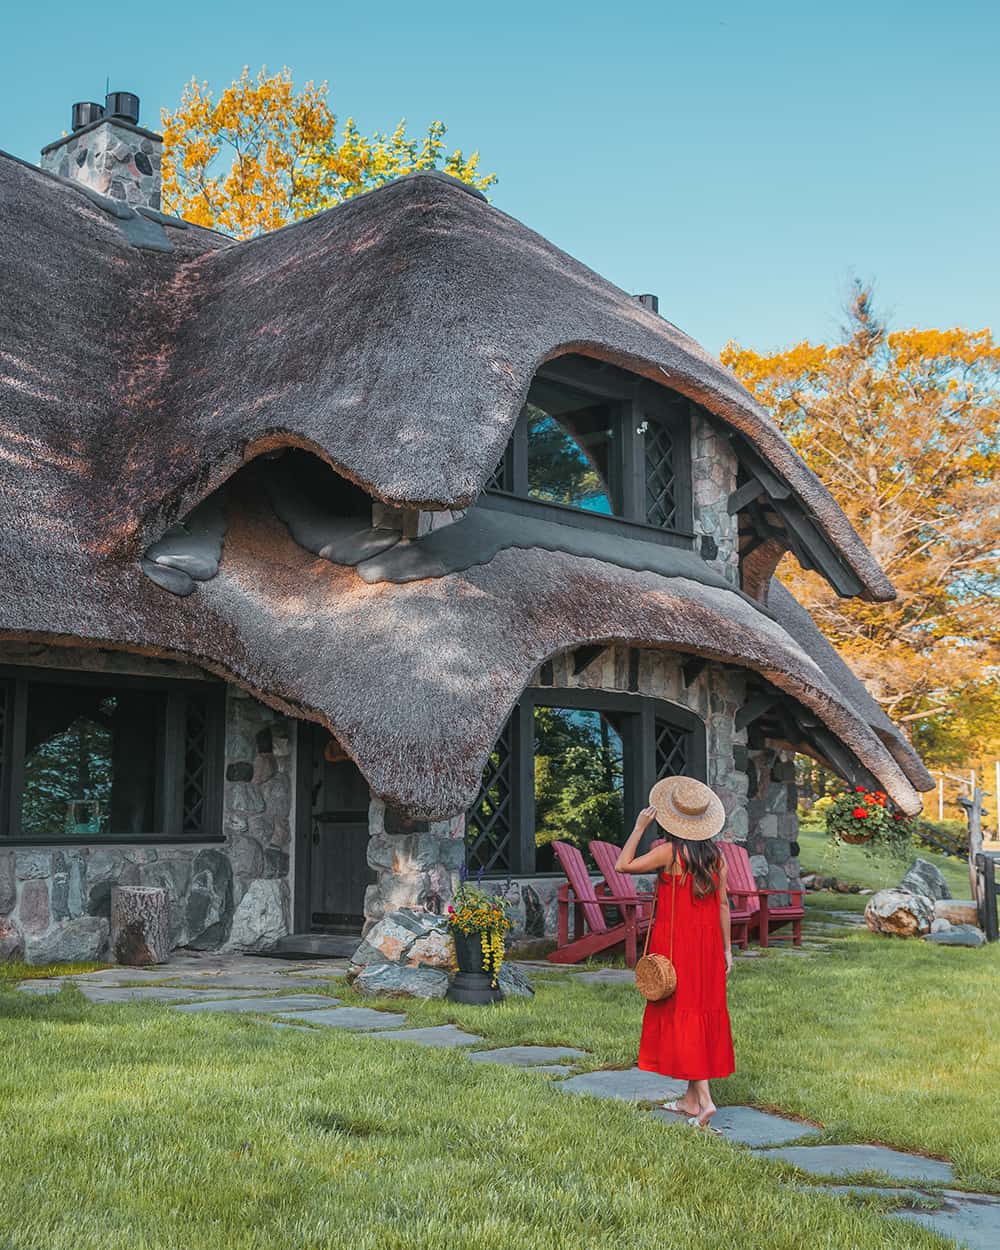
(860, 813)
(898, 816)
(859, 789)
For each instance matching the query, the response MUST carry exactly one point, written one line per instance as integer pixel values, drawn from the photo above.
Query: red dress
(687, 1036)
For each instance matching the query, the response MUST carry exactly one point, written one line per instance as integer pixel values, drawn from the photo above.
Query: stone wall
(113, 158)
(713, 480)
(774, 823)
(417, 862)
(55, 902)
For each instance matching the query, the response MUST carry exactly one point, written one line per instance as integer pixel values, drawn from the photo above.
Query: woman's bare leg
(700, 1092)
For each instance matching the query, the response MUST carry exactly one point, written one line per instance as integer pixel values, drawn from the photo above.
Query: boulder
(923, 877)
(899, 912)
(957, 910)
(259, 920)
(940, 925)
(402, 981)
(513, 983)
(11, 941)
(83, 939)
(958, 935)
(407, 936)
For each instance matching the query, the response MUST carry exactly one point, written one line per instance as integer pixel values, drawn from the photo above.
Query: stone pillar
(713, 479)
(772, 841)
(417, 862)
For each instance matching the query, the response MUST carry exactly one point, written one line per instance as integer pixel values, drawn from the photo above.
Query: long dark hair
(701, 859)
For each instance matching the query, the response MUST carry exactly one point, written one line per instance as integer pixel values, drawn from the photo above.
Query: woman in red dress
(687, 1036)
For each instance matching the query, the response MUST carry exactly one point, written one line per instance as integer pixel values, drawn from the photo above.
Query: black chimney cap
(85, 112)
(652, 302)
(122, 104)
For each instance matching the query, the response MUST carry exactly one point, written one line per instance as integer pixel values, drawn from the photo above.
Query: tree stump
(140, 925)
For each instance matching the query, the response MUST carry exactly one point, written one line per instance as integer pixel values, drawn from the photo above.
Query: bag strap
(673, 911)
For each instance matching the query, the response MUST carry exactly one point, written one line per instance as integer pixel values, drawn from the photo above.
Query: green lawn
(850, 863)
(130, 1126)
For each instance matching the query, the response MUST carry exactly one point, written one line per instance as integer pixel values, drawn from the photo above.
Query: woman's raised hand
(644, 819)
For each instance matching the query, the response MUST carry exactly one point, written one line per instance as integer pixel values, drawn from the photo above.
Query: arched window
(595, 439)
(574, 764)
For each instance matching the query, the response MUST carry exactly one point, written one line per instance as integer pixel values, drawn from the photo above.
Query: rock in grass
(923, 877)
(958, 935)
(399, 980)
(513, 983)
(899, 913)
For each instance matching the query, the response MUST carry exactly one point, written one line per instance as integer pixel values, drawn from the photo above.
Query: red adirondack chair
(752, 905)
(591, 931)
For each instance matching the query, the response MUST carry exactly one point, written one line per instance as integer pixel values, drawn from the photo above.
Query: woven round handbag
(655, 975)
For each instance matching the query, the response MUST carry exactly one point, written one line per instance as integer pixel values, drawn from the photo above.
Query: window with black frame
(574, 765)
(597, 440)
(87, 758)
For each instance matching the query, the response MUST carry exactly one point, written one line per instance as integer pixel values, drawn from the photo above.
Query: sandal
(705, 1128)
(674, 1106)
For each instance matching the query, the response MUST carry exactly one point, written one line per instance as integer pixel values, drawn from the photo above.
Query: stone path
(249, 986)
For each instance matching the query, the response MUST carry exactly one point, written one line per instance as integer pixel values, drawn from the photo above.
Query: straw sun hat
(687, 808)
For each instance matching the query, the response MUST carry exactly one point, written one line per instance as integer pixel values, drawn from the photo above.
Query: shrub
(865, 817)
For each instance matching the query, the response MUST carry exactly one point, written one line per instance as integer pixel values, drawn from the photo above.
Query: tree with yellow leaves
(904, 429)
(264, 154)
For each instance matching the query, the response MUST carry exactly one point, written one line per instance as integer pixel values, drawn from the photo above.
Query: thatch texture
(396, 337)
(796, 621)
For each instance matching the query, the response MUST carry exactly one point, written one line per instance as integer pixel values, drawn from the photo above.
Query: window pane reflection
(570, 449)
(90, 761)
(579, 780)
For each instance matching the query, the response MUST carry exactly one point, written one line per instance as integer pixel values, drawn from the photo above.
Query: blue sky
(742, 160)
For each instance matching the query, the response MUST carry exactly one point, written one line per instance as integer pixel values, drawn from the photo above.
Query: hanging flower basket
(864, 818)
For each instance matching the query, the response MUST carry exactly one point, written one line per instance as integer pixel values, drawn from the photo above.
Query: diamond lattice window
(195, 766)
(661, 483)
(672, 750)
(490, 820)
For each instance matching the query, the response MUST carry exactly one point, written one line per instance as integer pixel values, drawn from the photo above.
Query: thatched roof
(394, 337)
(796, 621)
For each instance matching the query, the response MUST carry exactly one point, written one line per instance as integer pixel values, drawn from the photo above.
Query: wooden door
(337, 842)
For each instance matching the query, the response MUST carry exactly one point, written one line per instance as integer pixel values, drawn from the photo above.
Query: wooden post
(974, 815)
(140, 925)
(940, 796)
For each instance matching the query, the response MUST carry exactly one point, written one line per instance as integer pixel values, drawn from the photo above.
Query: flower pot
(855, 839)
(468, 952)
(471, 984)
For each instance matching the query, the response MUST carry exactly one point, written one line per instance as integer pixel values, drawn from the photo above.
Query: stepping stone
(292, 1002)
(438, 1035)
(361, 1018)
(148, 993)
(844, 1160)
(750, 1126)
(973, 1220)
(246, 981)
(631, 1085)
(526, 1056)
(608, 976)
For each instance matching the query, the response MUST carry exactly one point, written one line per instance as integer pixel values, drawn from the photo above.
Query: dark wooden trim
(692, 669)
(522, 758)
(562, 514)
(604, 380)
(744, 495)
(753, 710)
(302, 861)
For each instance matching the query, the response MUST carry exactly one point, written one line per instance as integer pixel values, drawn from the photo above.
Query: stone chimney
(108, 151)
